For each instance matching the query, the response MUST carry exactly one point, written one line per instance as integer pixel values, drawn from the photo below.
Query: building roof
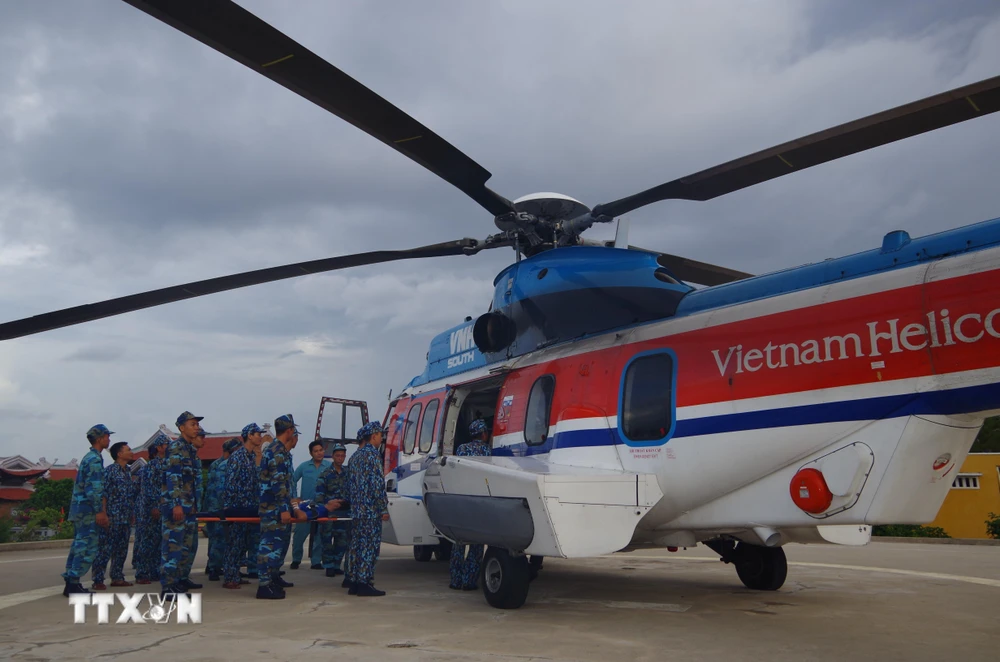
(14, 493)
(26, 474)
(62, 473)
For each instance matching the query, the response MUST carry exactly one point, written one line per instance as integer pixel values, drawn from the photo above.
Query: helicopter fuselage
(875, 371)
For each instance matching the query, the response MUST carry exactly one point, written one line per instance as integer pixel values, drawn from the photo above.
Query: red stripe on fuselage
(804, 340)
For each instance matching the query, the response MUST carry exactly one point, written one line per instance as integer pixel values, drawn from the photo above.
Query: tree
(988, 440)
(55, 494)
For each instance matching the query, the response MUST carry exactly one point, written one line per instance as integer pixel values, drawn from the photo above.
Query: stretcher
(313, 523)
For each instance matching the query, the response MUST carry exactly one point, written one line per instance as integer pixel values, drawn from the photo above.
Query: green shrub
(993, 526)
(6, 524)
(65, 531)
(909, 531)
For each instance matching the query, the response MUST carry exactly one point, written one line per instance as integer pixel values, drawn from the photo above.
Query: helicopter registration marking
(461, 359)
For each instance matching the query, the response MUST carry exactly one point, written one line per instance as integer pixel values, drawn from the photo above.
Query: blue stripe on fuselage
(952, 401)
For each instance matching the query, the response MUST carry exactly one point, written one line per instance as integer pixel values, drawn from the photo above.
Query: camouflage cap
(96, 432)
(160, 440)
(250, 429)
(286, 422)
(229, 445)
(477, 427)
(337, 447)
(365, 432)
(187, 416)
(202, 433)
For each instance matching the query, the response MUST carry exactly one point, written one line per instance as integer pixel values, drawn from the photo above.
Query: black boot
(74, 586)
(187, 584)
(278, 581)
(334, 572)
(368, 591)
(270, 592)
(295, 565)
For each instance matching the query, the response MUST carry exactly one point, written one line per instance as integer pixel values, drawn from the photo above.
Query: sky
(133, 157)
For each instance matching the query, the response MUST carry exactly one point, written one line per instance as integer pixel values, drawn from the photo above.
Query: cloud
(132, 157)
(97, 354)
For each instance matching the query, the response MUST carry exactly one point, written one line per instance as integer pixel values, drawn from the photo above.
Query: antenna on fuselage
(621, 233)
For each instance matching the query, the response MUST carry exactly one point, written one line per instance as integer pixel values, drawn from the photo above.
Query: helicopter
(627, 407)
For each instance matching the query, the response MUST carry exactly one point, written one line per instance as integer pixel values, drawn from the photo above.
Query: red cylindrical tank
(810, 492)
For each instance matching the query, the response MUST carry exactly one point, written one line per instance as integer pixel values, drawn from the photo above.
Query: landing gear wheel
(442, 550)
(504, 578)
(423, 553)
(761, 568)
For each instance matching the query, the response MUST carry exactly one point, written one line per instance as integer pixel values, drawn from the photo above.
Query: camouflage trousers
(300, 534)
(240, 540)
(465, 565)
(83, 550)
(216, 547)
(178, 547)
(146, 550)
(112, 544)
(250, 561)
(335, 536)
(366, 538)
(274, 538)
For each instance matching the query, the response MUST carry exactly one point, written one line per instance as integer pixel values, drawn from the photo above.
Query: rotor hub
(550, 206)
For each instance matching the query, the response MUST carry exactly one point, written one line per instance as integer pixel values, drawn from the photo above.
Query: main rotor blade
(702, 273)
(234, 31)
(694, 271)
(95, 311)
(958, 105)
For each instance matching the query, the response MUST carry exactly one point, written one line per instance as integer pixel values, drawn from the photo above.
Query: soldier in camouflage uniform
(366, 492)
(85, 511)
(331, 491)
(275, 508)
(211, 505)
(119, 503)
(241, 499)
(148, 524)
(179, 506)
(465, 567)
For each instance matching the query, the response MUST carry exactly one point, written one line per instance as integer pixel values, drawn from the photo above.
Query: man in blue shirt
(464, 568)
(242, 499)
(369, 508)
(119, 503)
(148, 525)
(86, 510)
(180, 498)
(308, 472)
(212, 505)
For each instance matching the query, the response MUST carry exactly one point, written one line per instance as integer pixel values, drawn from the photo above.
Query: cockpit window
(427, 426)
(410, 433)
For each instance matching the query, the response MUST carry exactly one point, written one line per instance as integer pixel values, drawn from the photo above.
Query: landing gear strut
(505, 578)
(759, 568)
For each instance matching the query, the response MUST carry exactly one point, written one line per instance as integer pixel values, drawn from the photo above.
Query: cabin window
(427, 426)
(646, 409)
(536, 423)
(410, 434)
